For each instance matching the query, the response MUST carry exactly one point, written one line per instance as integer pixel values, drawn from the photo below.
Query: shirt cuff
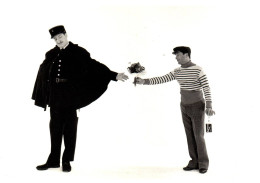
(146, 82)
(208, 104)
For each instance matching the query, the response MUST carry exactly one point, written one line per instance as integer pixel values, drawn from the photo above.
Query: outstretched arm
(156, 80)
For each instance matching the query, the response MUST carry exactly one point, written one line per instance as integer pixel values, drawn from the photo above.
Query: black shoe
(203, 170)
(187, 168)
(66, 167)
(47, 166)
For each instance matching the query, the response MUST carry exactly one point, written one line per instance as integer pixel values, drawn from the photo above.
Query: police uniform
(67, 80)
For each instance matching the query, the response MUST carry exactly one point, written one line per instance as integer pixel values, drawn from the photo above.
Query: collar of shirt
(189, 64)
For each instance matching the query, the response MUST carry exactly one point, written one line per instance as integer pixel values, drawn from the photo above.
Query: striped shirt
(190, 78)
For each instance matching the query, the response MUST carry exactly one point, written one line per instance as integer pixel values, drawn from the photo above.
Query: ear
(186, 55)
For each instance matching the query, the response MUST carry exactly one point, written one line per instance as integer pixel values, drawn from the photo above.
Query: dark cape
(87, 79)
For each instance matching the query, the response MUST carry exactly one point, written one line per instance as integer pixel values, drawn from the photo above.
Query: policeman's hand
(210, 112)
(139, 81)
(121, 77)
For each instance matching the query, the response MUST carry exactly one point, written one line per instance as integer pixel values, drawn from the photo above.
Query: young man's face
(182, 58)
(61, 40)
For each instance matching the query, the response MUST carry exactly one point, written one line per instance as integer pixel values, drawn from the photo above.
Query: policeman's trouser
(63, 124)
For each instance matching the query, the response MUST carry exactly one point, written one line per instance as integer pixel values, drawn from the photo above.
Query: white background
(133, 134)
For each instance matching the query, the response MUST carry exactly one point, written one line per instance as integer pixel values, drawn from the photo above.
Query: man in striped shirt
(192, 82)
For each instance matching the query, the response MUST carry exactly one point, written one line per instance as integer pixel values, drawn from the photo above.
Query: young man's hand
(139, 81)
(210, 112)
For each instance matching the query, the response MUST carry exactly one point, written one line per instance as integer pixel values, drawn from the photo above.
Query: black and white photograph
(129, 91)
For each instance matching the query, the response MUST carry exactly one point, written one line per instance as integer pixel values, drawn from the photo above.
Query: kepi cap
(57, 30)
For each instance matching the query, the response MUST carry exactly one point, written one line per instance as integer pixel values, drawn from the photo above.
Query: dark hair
(183, 49)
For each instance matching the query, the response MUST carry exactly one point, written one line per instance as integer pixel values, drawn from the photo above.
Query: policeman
(67, 80)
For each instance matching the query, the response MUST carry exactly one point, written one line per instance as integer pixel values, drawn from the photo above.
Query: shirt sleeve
(159, 80)
(206, 89)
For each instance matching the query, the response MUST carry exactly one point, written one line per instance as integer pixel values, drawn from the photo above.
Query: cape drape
(87, 79)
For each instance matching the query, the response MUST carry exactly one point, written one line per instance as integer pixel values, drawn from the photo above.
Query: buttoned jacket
(87, 79)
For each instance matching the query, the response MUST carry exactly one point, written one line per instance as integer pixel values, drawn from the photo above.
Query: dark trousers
(193, 119)
(63, 123)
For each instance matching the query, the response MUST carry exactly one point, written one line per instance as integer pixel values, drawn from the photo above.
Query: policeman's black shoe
(203, 170)
(187, 168)
(46, 166)
(66, 167)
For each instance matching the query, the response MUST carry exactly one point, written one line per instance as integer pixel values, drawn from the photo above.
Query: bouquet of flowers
(136, 68)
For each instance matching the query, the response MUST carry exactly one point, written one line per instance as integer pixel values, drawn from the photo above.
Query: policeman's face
(61, 40)
(182, 58)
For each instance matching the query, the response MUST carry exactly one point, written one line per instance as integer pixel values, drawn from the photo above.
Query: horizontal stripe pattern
(191, 78)
(162, 79)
